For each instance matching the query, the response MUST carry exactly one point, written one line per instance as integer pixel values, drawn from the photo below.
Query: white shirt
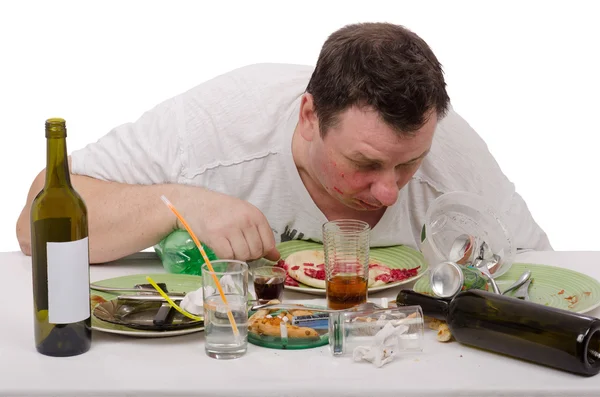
(233, 134)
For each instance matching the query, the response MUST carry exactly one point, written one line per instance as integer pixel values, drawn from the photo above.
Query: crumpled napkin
(385, 347)
(193, 301)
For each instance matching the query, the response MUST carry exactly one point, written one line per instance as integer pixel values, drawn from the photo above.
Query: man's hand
(232, 228)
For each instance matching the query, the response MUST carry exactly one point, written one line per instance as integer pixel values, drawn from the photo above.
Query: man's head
(369, 112)
(382, 66)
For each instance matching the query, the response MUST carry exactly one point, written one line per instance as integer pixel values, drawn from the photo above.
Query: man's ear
(309, 122)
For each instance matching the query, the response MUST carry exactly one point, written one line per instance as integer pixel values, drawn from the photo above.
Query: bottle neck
(432, 307)
(57, 166)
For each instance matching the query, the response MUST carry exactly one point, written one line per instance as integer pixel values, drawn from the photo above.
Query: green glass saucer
(276, 342)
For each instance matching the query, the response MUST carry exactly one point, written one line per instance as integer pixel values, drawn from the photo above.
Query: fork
(523, 291)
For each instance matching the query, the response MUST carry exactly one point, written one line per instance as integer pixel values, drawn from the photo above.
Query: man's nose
(385, 189)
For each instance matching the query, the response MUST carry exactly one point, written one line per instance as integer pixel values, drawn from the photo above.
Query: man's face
(363, 163)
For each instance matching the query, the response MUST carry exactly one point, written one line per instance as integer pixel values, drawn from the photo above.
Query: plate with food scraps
(550, 286)
(104, 308)
(388, 266)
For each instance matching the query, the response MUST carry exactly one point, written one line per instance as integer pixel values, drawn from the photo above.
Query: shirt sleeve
(146, 151)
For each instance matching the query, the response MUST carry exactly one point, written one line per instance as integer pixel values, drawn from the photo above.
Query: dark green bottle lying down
(544, 335)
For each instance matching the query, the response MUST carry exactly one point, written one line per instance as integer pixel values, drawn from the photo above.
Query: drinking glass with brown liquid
(268, 283)
(346, 248)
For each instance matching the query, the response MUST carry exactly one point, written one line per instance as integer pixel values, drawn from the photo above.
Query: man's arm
(124, 219)
(122, 176)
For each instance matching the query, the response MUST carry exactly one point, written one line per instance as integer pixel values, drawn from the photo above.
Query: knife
(156, 298)
(141, 289)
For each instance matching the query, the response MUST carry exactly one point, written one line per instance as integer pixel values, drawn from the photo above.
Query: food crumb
(587, 293)
(562, 291)
(573, 299)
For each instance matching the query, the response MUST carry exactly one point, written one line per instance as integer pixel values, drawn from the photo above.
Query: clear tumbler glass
(379, 332)
(346, 248)
(225, 321)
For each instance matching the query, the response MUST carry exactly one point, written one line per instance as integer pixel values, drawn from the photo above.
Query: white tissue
(386, 344)
(193, 302)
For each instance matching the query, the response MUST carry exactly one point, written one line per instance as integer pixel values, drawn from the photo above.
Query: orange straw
(207, 261)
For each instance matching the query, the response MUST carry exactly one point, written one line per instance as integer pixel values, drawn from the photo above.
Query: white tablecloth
(177, 366)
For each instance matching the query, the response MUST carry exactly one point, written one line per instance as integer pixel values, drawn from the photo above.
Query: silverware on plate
(140, 289)
(522, 280)
(145, 292)
(523, 291)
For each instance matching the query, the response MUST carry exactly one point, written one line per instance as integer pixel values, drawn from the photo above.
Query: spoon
(524, 277)
(485, 261)
(362, 307)
(482, 265)
(461, 249)
(485, 252)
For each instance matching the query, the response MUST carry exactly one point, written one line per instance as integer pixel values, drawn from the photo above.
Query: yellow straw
(207, 261)
(173, 304)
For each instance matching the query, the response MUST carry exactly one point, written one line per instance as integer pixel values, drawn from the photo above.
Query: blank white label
(68, 281)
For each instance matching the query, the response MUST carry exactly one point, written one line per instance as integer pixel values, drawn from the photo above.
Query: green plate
(275, 342)
(174, 282)
(396, 257)
(551, 286)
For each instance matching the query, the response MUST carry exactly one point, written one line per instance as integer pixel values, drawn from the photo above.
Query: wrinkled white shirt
(233, 134)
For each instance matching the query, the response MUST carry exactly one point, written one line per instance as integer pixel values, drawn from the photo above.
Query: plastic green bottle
(179, 253)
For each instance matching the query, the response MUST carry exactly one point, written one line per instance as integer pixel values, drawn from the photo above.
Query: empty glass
(377, 334)
(457, 225)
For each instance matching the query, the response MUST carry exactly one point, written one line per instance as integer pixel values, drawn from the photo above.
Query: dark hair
(381, 65)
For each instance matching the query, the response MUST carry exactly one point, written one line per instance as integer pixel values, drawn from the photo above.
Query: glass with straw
(220, 340)
(239, 332)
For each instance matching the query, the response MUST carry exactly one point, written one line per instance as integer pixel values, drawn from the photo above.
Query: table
(178, 366)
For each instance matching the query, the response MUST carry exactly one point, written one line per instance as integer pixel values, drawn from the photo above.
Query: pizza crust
(376, 270)
(272, 327)
(296, 266)
(260, 324)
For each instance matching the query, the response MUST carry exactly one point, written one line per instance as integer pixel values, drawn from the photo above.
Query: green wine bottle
(541, 334)
(60, 256)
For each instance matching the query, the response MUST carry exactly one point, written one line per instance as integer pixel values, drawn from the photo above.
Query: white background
(525, 75)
